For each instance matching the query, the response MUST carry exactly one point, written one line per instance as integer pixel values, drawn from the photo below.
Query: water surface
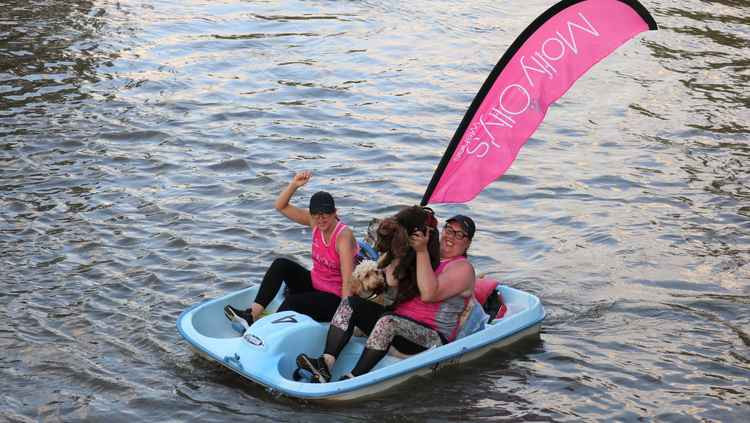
(142, 145)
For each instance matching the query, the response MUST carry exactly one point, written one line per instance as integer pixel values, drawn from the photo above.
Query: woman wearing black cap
(429, 319)
(459, 230)
(317, 292)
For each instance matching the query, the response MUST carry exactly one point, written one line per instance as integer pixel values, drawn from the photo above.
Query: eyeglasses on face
(447, 230)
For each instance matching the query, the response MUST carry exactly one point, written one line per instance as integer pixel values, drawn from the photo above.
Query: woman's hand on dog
(418, 240)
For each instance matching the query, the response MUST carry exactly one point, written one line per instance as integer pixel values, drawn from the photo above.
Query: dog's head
(392, 238)
(393, 232)
(367, 277)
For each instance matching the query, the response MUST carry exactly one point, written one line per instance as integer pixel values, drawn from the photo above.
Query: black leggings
(300, 296)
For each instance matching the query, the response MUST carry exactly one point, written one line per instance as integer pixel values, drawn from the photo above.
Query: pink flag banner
(538, 68)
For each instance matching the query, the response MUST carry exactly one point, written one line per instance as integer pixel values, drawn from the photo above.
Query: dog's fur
(367, 278)
(393, 243)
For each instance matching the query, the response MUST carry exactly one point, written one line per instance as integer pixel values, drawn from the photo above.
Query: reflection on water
(48, 50)
(142, 146)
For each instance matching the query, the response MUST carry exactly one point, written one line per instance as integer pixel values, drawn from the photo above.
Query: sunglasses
(447, 230)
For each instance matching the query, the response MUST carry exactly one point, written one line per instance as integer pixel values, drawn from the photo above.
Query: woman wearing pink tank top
(418, 322)
(315, 292)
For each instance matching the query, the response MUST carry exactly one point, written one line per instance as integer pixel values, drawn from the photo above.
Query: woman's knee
(382, 334)
(281, 263)
(385, 325)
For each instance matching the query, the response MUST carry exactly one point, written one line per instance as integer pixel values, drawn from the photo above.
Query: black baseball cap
(322, 202)
(466, 223)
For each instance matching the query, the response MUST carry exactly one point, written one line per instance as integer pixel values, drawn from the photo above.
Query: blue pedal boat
(266, 353)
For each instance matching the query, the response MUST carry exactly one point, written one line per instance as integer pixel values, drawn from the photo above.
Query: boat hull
(266, 353)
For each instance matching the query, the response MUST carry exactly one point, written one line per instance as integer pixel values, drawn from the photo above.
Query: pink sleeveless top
(443, 316)
(326, 269)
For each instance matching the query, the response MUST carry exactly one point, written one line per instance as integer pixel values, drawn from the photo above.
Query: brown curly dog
(393, 243)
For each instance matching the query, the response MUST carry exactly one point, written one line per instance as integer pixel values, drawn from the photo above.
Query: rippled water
(142, 145)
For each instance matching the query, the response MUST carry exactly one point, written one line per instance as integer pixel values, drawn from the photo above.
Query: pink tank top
(326, 269)
(443, 315)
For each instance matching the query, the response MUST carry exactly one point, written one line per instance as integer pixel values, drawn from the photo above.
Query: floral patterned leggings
(390, 326)
(383, 329)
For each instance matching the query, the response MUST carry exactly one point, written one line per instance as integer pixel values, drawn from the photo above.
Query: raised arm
(296, 214)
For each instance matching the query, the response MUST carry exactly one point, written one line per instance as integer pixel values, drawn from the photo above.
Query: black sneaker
(345, 377)
(237, 315)
(316, 366)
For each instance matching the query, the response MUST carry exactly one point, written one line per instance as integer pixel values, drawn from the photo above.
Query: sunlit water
(142, 144)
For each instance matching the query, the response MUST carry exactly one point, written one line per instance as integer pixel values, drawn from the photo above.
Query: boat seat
(494, 306)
